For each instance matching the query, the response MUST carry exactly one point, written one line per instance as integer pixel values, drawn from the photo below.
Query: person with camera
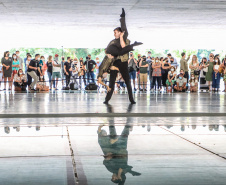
(184, 65)
(132, 63)
(90, 65)
(32, 70)
(143, 73)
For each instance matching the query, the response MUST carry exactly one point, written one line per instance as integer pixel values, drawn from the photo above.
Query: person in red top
(156, 74)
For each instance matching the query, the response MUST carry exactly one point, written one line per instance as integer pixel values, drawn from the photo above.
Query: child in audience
(193, 83)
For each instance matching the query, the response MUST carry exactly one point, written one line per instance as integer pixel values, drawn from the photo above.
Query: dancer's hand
(114, 68)
(110, 56)
(122, 34)
(108, 89)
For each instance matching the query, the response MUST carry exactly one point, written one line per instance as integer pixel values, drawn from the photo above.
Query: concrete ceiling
(89, 23)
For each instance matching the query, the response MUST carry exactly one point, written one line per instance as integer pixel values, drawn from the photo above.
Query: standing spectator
(20, 81)
(194, 66)
(223, 66)
(138, 70)
(184, 65)
(171, 79)
(32, 70)
(203, 70)
(15, 65)
(41, 64)
(56, 71)
(180, 83)
(1, 76)
(132, 62)
(149, 61)
(224, 79)
(67, 70)
(29, 79)
(165, 69)
(25, 63)
(156, 74)
(143, 73)
(216, 75)
(90, 66)
(75, 70)
(20, 59)
(209, 74)
(193, 83)
(151, 71)
(98, 65)
(49, 65)
(82, 73)
(174, 63)
(62, 71)
(7, 69)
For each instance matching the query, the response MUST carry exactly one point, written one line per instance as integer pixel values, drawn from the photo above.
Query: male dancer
(112, 52)
(121, 62)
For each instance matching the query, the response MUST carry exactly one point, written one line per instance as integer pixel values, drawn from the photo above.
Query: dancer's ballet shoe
(123, 13)
(136, 43)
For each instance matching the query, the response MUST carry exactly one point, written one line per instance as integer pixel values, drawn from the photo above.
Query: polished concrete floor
(73, 138)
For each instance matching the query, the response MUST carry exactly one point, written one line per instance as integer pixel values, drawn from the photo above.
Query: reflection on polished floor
(110, 149)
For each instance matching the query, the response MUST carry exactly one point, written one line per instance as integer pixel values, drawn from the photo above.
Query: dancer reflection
(115, 152)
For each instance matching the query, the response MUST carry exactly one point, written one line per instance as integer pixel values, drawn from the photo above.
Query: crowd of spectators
(146, 72)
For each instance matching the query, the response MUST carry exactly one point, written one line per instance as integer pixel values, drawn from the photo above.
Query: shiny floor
(74, 138)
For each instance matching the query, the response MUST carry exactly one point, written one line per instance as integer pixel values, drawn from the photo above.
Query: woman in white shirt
(216, 75)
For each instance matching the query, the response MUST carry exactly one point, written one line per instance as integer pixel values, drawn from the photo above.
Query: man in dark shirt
(33, 68)
(90, 65)
(67, 70)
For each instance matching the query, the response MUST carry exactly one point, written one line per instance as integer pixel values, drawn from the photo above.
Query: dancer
(114, 148)
(117, 53)
(112, 52)
(121, 62)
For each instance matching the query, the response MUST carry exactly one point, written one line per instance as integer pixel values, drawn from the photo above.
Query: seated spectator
(180, 83)
(193, 83)
(20, 81)
(181, 72)
(41, 85)
(171, 79)
(120, 82)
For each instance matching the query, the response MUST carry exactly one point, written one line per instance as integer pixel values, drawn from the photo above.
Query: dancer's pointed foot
(123, 13)
(105, 102)
(137, 43)
(133, 102)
